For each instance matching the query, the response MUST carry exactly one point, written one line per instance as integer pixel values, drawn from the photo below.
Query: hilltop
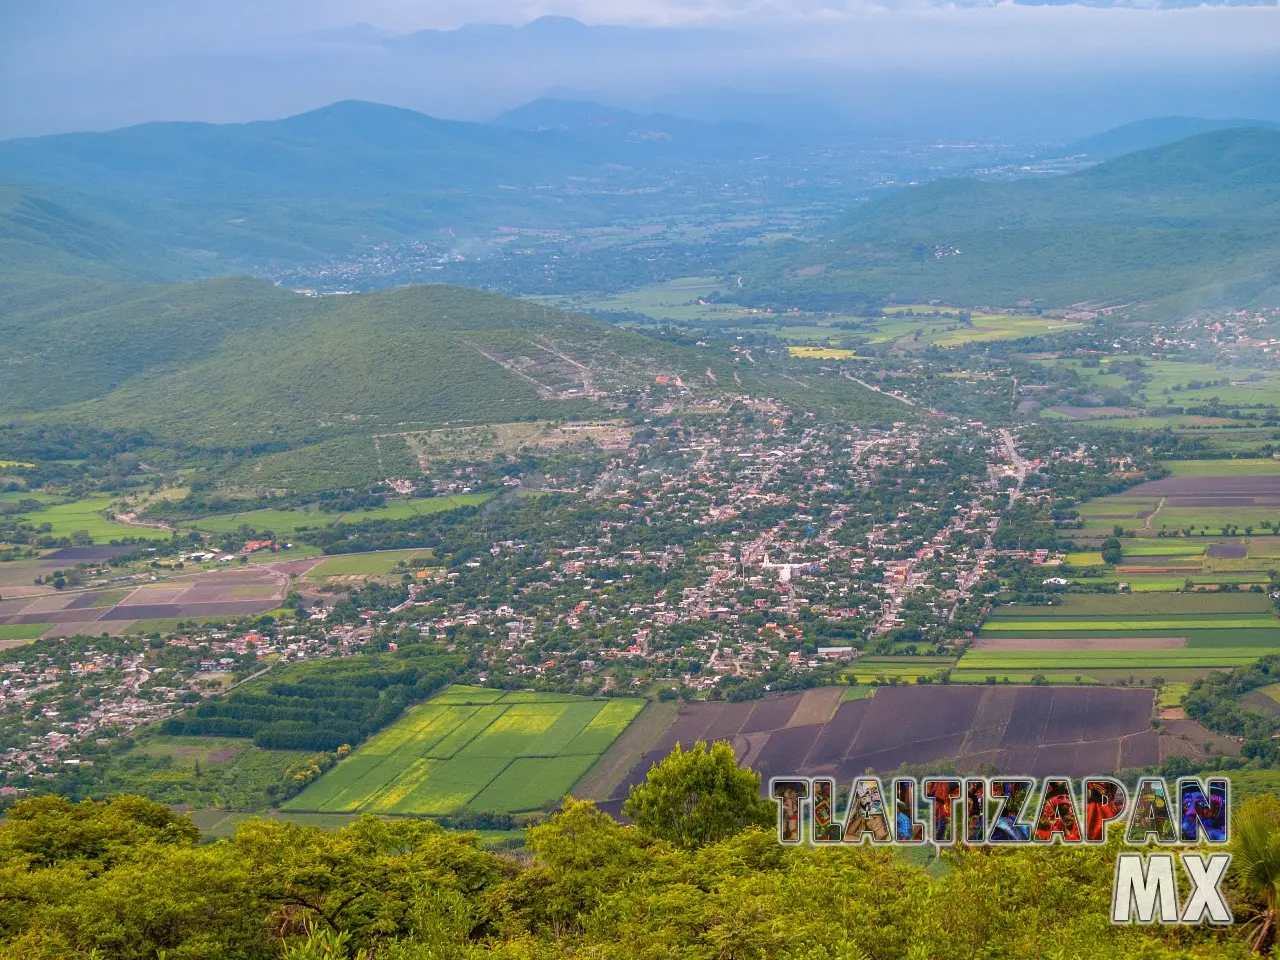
(1193, 221)
(1154, 132)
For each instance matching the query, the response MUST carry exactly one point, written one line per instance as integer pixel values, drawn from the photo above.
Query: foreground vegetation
(699, 875)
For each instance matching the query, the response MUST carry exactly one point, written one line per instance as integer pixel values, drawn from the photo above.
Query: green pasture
(170, 624)
(674, 300)
(1117, 506)
(1214, 519)
(1167, 547)
(22, 631)
(1087, 558)
(996, 660)
(1223, 468)
(14, 496)
(940, 326)
(476, 748)
(1171, 694)
(364, 564)
(1177, 422)
(460, 693)
(85, 516)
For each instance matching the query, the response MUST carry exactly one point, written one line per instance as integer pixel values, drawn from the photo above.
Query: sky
(84, 64)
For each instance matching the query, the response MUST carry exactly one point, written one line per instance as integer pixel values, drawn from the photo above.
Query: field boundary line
(642, 734)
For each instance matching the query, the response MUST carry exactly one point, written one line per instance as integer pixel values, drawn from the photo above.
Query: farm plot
(1070, 731)
(86, 518)
(376, 564)
(1223, 499)
(474, 748)
(15, 633)
(1101, 637)
(214, 596)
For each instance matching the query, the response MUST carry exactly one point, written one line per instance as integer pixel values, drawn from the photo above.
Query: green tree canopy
(698, 797)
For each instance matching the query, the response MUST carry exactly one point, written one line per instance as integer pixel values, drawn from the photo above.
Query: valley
(819, 482)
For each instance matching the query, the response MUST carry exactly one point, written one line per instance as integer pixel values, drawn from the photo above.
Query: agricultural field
(376, 564)
(1211, 522)
(214, 595)
(85, 517)
(1223, 468)
(1019, 729)
(1229, 498)
(21, 631)
(822, 353)
(1181, 383)
(288, 523)
(903, 669)
(940, 326)
(677, 301)
(473, 748)
(1098, 638)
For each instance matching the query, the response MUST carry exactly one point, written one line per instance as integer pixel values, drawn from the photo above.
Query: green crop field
(85, 516)
(1208, 622)
(289, 522)
(1168, 547)
(364, 564)
(1123, 606)
(473, 748)
(1085, 558)
(22, 631)
(1144, 624)
(1223, 468)
(995, 661)
(525, 781)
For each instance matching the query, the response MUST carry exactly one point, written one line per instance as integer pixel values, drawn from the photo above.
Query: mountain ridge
(1196, 221)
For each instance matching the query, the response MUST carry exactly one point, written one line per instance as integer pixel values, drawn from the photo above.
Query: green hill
(239, 364)
(1154, 132)
(1196, 222)
(47, 231)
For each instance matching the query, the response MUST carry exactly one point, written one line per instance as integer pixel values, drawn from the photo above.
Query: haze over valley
(450, 469)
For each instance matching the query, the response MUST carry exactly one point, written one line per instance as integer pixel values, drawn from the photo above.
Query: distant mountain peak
(552, 23)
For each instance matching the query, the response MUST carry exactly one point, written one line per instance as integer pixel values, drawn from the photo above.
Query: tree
(1112, 552)
(1256, 846)
(699, 797)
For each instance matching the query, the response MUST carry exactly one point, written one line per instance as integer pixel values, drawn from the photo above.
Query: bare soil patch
(1095, 413)
(1070, 731)
(817, 706)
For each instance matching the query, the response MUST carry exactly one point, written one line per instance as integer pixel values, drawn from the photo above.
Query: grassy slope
(1196, 220)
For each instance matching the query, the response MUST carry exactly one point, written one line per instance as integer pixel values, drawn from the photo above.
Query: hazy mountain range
(902, 71)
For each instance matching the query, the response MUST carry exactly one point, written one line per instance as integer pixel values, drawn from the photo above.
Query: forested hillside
(1194, 222)
(237, 363)
(48, 231)
(1154, 132)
